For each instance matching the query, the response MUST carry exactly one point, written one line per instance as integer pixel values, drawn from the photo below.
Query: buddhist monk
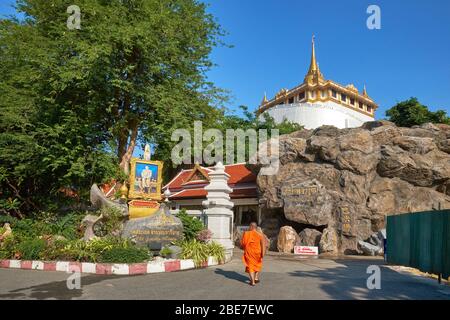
(253, 245)
(265, 239)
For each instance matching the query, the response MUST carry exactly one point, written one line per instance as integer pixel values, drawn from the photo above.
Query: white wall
(314, 115)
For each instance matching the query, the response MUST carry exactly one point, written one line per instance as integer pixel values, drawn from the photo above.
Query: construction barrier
(420, 240)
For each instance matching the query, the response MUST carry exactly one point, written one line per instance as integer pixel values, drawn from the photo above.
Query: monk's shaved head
(253, 226)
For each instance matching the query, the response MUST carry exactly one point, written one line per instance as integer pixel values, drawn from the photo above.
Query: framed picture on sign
(145, 179)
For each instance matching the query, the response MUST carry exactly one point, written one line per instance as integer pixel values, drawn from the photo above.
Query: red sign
(306, 251)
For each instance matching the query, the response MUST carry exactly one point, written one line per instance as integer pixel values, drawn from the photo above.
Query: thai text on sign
(306, 250)
(292, 191)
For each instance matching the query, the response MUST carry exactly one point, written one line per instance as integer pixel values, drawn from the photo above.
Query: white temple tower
(318, 102)
(219, 209)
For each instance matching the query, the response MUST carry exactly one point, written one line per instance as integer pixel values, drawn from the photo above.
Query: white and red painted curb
(170, 265)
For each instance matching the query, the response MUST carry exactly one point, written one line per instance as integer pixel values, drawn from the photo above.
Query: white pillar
(219, 209)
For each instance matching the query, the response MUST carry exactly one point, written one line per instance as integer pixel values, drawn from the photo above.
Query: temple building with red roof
(187, 190)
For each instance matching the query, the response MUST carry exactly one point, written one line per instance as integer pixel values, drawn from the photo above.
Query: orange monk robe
(252, 258)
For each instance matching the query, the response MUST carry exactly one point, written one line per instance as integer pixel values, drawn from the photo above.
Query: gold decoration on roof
(283, 92)
(351, 87)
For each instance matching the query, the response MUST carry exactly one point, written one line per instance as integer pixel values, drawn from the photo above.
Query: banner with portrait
(145, 179)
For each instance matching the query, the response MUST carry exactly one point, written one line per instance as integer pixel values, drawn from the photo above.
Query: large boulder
(369, 249)
(156, 231)
(310, 237)
(329, 241)
(287, 239)
(346, 181)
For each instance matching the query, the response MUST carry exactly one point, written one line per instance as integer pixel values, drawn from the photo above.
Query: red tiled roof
(242, 181)
(189, 193)
(238, 174)
(201, 194)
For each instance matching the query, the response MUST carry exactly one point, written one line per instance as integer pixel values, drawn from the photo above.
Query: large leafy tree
(411, 112)
(249, 120)
(74, 102)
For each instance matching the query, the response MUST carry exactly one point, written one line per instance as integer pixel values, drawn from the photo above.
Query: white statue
(147, 153)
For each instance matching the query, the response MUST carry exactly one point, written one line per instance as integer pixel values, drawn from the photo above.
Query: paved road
(283, 278)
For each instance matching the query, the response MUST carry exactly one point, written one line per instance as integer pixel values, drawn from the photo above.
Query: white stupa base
(314, 115)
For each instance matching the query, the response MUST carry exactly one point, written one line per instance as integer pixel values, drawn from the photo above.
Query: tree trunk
(126, 157)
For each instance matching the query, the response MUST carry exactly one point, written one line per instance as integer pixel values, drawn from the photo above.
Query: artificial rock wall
(343, 182)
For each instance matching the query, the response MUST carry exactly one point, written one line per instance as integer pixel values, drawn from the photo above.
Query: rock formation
(345, 181)
(310, 237)
(287, 239)
(156, 231)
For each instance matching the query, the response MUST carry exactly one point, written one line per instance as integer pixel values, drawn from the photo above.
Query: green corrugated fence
(420, 240)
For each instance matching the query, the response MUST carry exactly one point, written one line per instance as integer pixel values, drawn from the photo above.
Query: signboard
(242, 229)
(306, 251)
(154, 231)
(346, 221)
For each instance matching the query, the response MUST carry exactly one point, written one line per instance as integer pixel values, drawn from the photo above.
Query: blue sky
(409, 56)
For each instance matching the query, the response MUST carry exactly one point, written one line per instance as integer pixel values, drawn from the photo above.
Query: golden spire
(313, 66)
(264, 99)
(365, 92)
(314, 71)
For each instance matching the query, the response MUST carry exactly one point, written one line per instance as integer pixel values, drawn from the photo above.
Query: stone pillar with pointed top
(219, 209)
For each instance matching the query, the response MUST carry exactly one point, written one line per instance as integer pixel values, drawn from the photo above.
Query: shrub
(194, 250)
(25, 228)
(68, 225)
(8, 247)
(76, 250)
(30, 249)
(165, 252)
(125, 255)
(111, 223)
(200, 251)
(217, 251)
(45, 224)
(7, 219)
(79, 250)
(36, 239)
(191, 225)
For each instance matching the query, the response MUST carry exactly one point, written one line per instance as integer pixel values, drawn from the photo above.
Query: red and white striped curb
(107, 268)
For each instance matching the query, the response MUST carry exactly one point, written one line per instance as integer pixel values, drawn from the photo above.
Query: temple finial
(264, 99)
(365, 91)
(313, 65)
(314, 71)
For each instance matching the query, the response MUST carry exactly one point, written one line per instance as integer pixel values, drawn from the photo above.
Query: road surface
(283, 277)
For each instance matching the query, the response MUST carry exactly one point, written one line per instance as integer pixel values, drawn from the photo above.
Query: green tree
(411, 112)
(250, 120)
(75, 102)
